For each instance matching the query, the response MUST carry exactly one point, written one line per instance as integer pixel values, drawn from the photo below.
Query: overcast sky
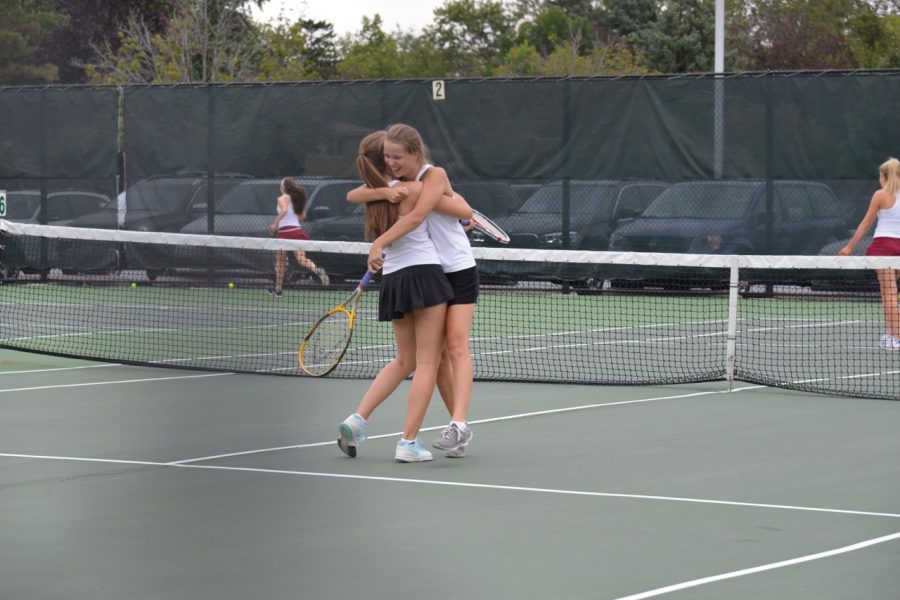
(346, 15)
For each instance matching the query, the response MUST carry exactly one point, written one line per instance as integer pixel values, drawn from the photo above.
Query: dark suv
(730, 217)
(595, 209)
(169, 202)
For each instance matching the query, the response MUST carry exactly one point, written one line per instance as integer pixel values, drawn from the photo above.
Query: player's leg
(445, 380)
(352, 430)
(393, 374)
(456, 436)
(280, 261)
(429, 328)
(887, 281)
(307, 263)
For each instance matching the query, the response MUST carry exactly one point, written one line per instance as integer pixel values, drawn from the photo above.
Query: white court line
(60, 369)
(490, 420)
(759, 569)
(69, 385)
(462, 484)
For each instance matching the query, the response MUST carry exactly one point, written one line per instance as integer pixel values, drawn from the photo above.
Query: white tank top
(290, 218)
(889, 221)
(449, 237)
(414, 248)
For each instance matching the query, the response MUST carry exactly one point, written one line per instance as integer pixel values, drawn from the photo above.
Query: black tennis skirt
(412, 288)
(465, 286)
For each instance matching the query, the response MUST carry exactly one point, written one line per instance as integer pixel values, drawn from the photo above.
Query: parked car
(846, 280)
(63, 208)
(247, 209)
(833, 248)
(730, 217)
(169, 202)
(595, 209)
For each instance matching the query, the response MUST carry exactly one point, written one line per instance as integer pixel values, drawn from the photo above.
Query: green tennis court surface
(142, 482)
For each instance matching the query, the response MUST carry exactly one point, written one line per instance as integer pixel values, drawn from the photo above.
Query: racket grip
(464, 222)
(366, 279)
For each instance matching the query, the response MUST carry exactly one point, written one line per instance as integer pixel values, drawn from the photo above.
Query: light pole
(719, 83)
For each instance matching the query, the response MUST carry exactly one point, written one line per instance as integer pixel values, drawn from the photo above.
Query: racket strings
(325, 345)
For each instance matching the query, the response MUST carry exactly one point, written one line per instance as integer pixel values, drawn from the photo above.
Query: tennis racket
(487, 227)
(327, 340)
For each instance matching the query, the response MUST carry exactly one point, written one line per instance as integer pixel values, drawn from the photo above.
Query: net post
(731, 343)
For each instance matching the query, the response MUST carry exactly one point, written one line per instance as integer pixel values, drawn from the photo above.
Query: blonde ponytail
(890, 170)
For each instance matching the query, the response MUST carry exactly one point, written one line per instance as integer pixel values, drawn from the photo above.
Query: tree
(25, 23)
(627, 20)
(321, 46)
(370, 54)
(553, 27)
(471, 34)
(96, 23)
(206, 41)
(561, 38)
(874, 38)
(684, 38)
(565, 61)
(303, 50)
(802, 34)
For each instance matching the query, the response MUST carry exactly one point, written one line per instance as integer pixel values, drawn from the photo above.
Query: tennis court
(145, 482)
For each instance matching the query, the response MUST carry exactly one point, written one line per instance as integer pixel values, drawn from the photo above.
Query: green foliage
(812, 34)
(205, 41)
(875, 39)
(472, 35)
(683, 40)
(565, 60)
(93, 23)
(301, 50)
(25, 23)
(371, 54)
(165, 41)
(553, 27)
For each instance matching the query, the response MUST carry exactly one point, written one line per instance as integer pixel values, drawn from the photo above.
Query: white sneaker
(412, 451)
(889, 343)
(453, 439)
(352, 430)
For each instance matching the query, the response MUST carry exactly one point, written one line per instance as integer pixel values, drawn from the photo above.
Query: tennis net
(809, 323)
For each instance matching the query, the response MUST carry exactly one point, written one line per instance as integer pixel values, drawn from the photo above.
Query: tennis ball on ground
(230, 285)
(134, 284)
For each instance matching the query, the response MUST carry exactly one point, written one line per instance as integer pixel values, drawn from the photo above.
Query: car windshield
(716, 201)
(334, 197)
(22, 205)
(161, 195)
(257, 198)
(585, 198)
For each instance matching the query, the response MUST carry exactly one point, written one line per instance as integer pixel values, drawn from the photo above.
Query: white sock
(360, 417)
(405, 441)
(462, 425)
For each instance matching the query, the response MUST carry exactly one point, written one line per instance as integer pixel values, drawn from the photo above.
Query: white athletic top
(449, 237)
(889, 221)
(414, 248)
(290, 218)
